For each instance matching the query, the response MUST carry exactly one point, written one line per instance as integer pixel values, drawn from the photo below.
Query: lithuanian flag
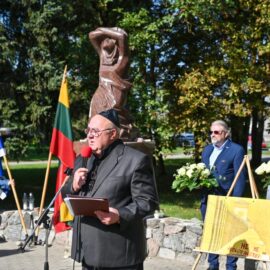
(62, 147)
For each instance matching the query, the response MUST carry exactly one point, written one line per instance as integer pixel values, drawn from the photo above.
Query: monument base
(145, 146)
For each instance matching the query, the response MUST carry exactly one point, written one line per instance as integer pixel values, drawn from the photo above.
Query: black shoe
(212, 268)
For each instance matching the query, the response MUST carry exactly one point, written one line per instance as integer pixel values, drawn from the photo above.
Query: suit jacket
(126, 178)
(226, 166)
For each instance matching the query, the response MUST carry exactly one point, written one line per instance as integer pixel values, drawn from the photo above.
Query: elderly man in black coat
(123, 175)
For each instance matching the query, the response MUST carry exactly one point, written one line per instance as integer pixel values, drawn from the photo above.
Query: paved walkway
(34, 258)
(11, 258)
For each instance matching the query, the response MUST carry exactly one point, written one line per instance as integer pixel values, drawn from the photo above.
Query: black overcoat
(127, 179)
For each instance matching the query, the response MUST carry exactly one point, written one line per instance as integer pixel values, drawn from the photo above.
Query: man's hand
(79, 179)
(11, 182)
(108, 218)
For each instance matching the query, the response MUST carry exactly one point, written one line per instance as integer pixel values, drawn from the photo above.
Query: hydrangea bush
(193, 176)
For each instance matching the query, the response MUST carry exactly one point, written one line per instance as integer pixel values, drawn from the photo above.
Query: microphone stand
(45, 219)
(48, 227)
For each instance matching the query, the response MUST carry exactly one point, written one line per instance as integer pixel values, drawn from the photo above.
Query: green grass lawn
(30, 178)
(183, 205)
(35, 153)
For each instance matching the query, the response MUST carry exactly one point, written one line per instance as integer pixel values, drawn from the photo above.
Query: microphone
(68, 171)
(86, 153)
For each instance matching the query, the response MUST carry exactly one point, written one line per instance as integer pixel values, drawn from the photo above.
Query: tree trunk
(257, 137)
(239, 130)
(160, 168)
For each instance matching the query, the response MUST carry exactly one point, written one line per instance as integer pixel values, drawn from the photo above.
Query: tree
(191, 62)
(236, 60)
(39, 38)
(153, 69)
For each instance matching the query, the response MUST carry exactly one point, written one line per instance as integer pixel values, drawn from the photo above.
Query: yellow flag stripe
(65, 215)
(63, 97)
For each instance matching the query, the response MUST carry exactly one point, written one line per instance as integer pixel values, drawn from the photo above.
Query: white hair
(224, 126)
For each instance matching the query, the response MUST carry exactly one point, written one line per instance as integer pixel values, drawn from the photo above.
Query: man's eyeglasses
(95, 132)
(216, 132)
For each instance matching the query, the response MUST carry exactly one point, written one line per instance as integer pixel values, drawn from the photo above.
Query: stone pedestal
(145, 146)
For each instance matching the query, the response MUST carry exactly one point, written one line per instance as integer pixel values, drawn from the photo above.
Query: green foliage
(39, 38)
(230, 78)
(153, 68)
(191, 62)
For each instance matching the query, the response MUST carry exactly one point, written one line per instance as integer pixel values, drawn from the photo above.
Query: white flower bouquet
(264, 171)
(193, 176)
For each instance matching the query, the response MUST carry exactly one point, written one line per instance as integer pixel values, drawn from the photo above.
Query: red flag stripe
(62, 147)
(59, 226)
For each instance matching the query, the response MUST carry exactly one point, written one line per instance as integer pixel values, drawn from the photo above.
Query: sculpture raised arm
(111, 45)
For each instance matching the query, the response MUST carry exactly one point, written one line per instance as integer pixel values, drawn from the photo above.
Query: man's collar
(108, 150)
(220, 147)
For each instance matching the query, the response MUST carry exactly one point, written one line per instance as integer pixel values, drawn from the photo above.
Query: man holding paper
(124, 176)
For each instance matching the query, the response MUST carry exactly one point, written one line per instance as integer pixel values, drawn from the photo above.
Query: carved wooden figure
(112, 48)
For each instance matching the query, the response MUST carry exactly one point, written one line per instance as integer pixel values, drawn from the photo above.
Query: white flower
(205, 173)
(189, 173)
(261, 169)
(267, 168)
(181, 171)
(193, 176)
(193, 166)
(201, 166)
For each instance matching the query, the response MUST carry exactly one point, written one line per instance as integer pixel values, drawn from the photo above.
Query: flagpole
(45, 184)
(15, 195)
(48, 165)
(64, 75)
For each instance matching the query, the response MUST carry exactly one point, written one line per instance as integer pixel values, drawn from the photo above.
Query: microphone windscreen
(86, 152)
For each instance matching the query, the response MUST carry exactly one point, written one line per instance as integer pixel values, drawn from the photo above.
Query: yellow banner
(237, 226)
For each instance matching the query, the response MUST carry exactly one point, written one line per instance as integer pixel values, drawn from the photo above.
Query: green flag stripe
(62, 121)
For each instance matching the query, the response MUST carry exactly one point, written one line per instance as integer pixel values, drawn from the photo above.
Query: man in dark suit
(123, 175)
(223, 158)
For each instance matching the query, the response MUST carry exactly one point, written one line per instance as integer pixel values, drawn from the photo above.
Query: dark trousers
(132, 267)
(213, 261)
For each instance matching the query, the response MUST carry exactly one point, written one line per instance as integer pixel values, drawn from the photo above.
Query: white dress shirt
(217, 150)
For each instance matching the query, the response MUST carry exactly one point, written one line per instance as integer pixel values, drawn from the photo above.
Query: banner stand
(255, 195)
